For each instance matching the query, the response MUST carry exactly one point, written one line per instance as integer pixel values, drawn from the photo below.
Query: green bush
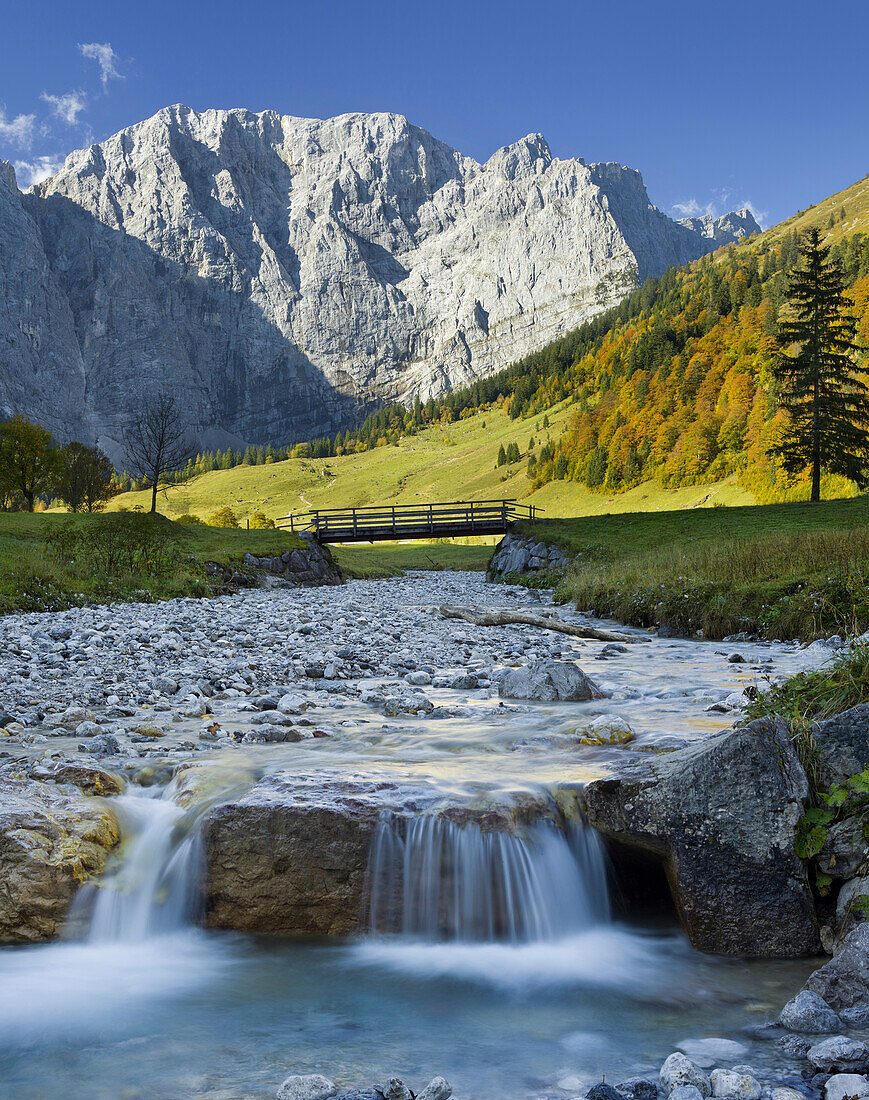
(223, 517)
(259, 521)
(190, 519)
(118, 544)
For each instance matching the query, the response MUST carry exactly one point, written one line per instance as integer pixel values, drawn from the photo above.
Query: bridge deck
(409, 521)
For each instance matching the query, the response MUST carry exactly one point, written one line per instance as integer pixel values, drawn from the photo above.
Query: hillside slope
(456, 461)
(676, 383)
(282, 274)
(664, 402)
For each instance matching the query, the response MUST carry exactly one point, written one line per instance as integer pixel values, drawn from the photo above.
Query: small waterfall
(153, 887)
(440, 881)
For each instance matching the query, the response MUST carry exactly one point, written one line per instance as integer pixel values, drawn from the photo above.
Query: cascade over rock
(286, 273)
(291, 855)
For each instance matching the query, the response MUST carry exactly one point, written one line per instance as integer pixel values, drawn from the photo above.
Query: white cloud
(67, 107)
(722, 202)
(18, 130)
(29, 172)
(105, 57)
(691, 208)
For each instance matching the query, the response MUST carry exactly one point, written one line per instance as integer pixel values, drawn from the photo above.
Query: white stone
(292, 704)
(679, 1070)
(841, 1085)
(739, 1086)
(309, 1087)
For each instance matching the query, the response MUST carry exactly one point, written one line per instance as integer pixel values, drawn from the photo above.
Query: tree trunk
(816, 450)
(28, 500)
(154, 498)
(529, 618)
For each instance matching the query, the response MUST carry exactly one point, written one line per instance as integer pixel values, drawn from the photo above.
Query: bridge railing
(382, 522)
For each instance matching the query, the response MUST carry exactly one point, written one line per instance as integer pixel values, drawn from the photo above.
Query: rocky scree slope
(286, 273)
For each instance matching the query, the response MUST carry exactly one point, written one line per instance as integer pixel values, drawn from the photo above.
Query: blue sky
(714, 103)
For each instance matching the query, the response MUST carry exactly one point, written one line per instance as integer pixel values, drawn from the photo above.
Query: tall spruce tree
(823, 393)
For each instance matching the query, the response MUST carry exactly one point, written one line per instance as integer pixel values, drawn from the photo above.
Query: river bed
(150, 1006)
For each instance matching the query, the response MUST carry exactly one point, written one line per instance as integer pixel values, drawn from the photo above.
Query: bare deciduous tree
(157, 442)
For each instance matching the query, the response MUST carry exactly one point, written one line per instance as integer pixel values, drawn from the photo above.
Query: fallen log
(528, 618)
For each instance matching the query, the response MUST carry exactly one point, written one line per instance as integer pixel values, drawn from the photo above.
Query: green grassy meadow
(35, 575)
(779, 571)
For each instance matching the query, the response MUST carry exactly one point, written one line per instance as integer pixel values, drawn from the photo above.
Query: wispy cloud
(18, 130)
(721, 202)
(691, 208)
(29, 172)
(105, 57)
(66, 107)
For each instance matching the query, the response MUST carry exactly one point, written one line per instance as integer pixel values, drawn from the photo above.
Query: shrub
(117, 544)
(189, 518)
(259, 521)
(223, 517)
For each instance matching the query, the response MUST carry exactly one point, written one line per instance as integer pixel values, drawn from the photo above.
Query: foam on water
(513, 910)
(603, 957)
(139, 947)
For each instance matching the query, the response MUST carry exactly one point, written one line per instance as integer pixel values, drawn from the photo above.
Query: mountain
(281, 274)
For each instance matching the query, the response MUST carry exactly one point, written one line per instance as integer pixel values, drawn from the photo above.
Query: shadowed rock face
(285, 273)
(721, 817)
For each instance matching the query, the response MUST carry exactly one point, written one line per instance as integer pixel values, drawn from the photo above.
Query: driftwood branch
(528, 618)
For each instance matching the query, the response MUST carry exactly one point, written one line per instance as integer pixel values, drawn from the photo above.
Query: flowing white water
(130, 941)
(441, 881)
(153, 888)
(514, 911)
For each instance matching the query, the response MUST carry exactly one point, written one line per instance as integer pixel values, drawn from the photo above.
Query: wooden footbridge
(410, 521)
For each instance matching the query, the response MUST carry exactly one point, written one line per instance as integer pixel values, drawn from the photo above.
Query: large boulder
(721, 816)
(51, 841)
(843, 982)
(547, 681)
(843, 745)
(289, 857)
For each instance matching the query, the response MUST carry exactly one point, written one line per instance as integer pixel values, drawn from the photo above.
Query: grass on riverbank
(837, 686)
(36, 576)
(784, 571)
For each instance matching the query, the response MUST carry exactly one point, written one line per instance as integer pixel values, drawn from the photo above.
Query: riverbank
(778, 571)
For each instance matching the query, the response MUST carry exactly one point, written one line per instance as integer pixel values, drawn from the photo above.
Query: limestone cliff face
(281, 273)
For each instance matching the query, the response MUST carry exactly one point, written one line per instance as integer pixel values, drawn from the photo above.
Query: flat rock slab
(720, 816)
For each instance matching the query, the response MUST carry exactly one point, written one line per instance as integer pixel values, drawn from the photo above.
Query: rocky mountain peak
(283, 274)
